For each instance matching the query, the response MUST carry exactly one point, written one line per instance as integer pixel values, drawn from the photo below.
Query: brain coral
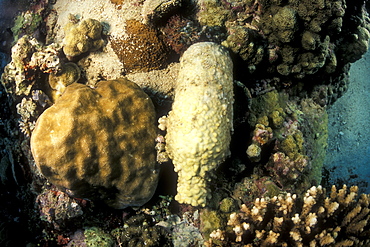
(201, 120)
(82, 37)
(99, 143)
(141, 49)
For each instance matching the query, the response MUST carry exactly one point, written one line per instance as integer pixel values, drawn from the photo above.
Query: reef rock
(99, 143)
(201, 120)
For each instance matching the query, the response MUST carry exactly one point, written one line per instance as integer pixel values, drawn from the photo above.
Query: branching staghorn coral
(290, 220)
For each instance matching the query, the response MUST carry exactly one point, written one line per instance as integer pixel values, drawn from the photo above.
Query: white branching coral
(312, 220)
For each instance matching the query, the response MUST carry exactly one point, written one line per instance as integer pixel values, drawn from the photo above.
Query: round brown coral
(140, 49)
(99, 143)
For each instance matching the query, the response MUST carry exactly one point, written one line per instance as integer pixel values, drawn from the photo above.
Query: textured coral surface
(292, 220)
(99, 143)
(248, 122)
(141, 49)
(82, 37)
(200, 123)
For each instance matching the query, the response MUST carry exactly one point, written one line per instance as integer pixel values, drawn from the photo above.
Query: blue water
(348, 156)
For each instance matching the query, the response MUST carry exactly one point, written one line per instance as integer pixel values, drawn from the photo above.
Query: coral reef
(82, 37)
(95, 236)
(261, 136)
(68, 74)
(24, 76)
(140, 49)
(211, 13)
(185, 231)
(293, 134)
(293, 39)
(23, 79)
(180, 33)
(284, 169)
(291, 220)
(26, 22)
(211, 220)
(15, 78)
(154, 11)
(358, 43)
(316, 137)
(99, 143)
(99, 140)
(321, 25)
(285, 24)
(46, 59)
(58, 208)
(247, 44)
(202, 111)
(140, 231)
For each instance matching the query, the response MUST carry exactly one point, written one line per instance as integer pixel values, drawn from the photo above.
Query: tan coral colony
(98, 143)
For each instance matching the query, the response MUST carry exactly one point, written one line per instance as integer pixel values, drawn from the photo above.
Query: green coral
(25, 23)
(292, 145)
(228, 205)
(277, 118)
(271, 189)
(212, 13)
(316, 135)
(310, 40)
(211, 220)
(245, 42)
(265, 106)
(139, 231)
(95, 236)
(300, 127)
(285, 24)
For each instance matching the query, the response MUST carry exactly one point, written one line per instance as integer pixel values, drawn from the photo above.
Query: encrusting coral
(201, 120)
(140, 49)
(69, 74)
(82, 37)
(247, 43)
(291, 220)
(211, 13)
(99, 143)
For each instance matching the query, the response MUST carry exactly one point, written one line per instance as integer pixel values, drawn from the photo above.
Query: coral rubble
(99, 143)
(291, 220)
(201, 120)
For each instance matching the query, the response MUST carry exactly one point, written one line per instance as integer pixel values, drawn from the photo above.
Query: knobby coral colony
(290, 220)
(201, 111)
